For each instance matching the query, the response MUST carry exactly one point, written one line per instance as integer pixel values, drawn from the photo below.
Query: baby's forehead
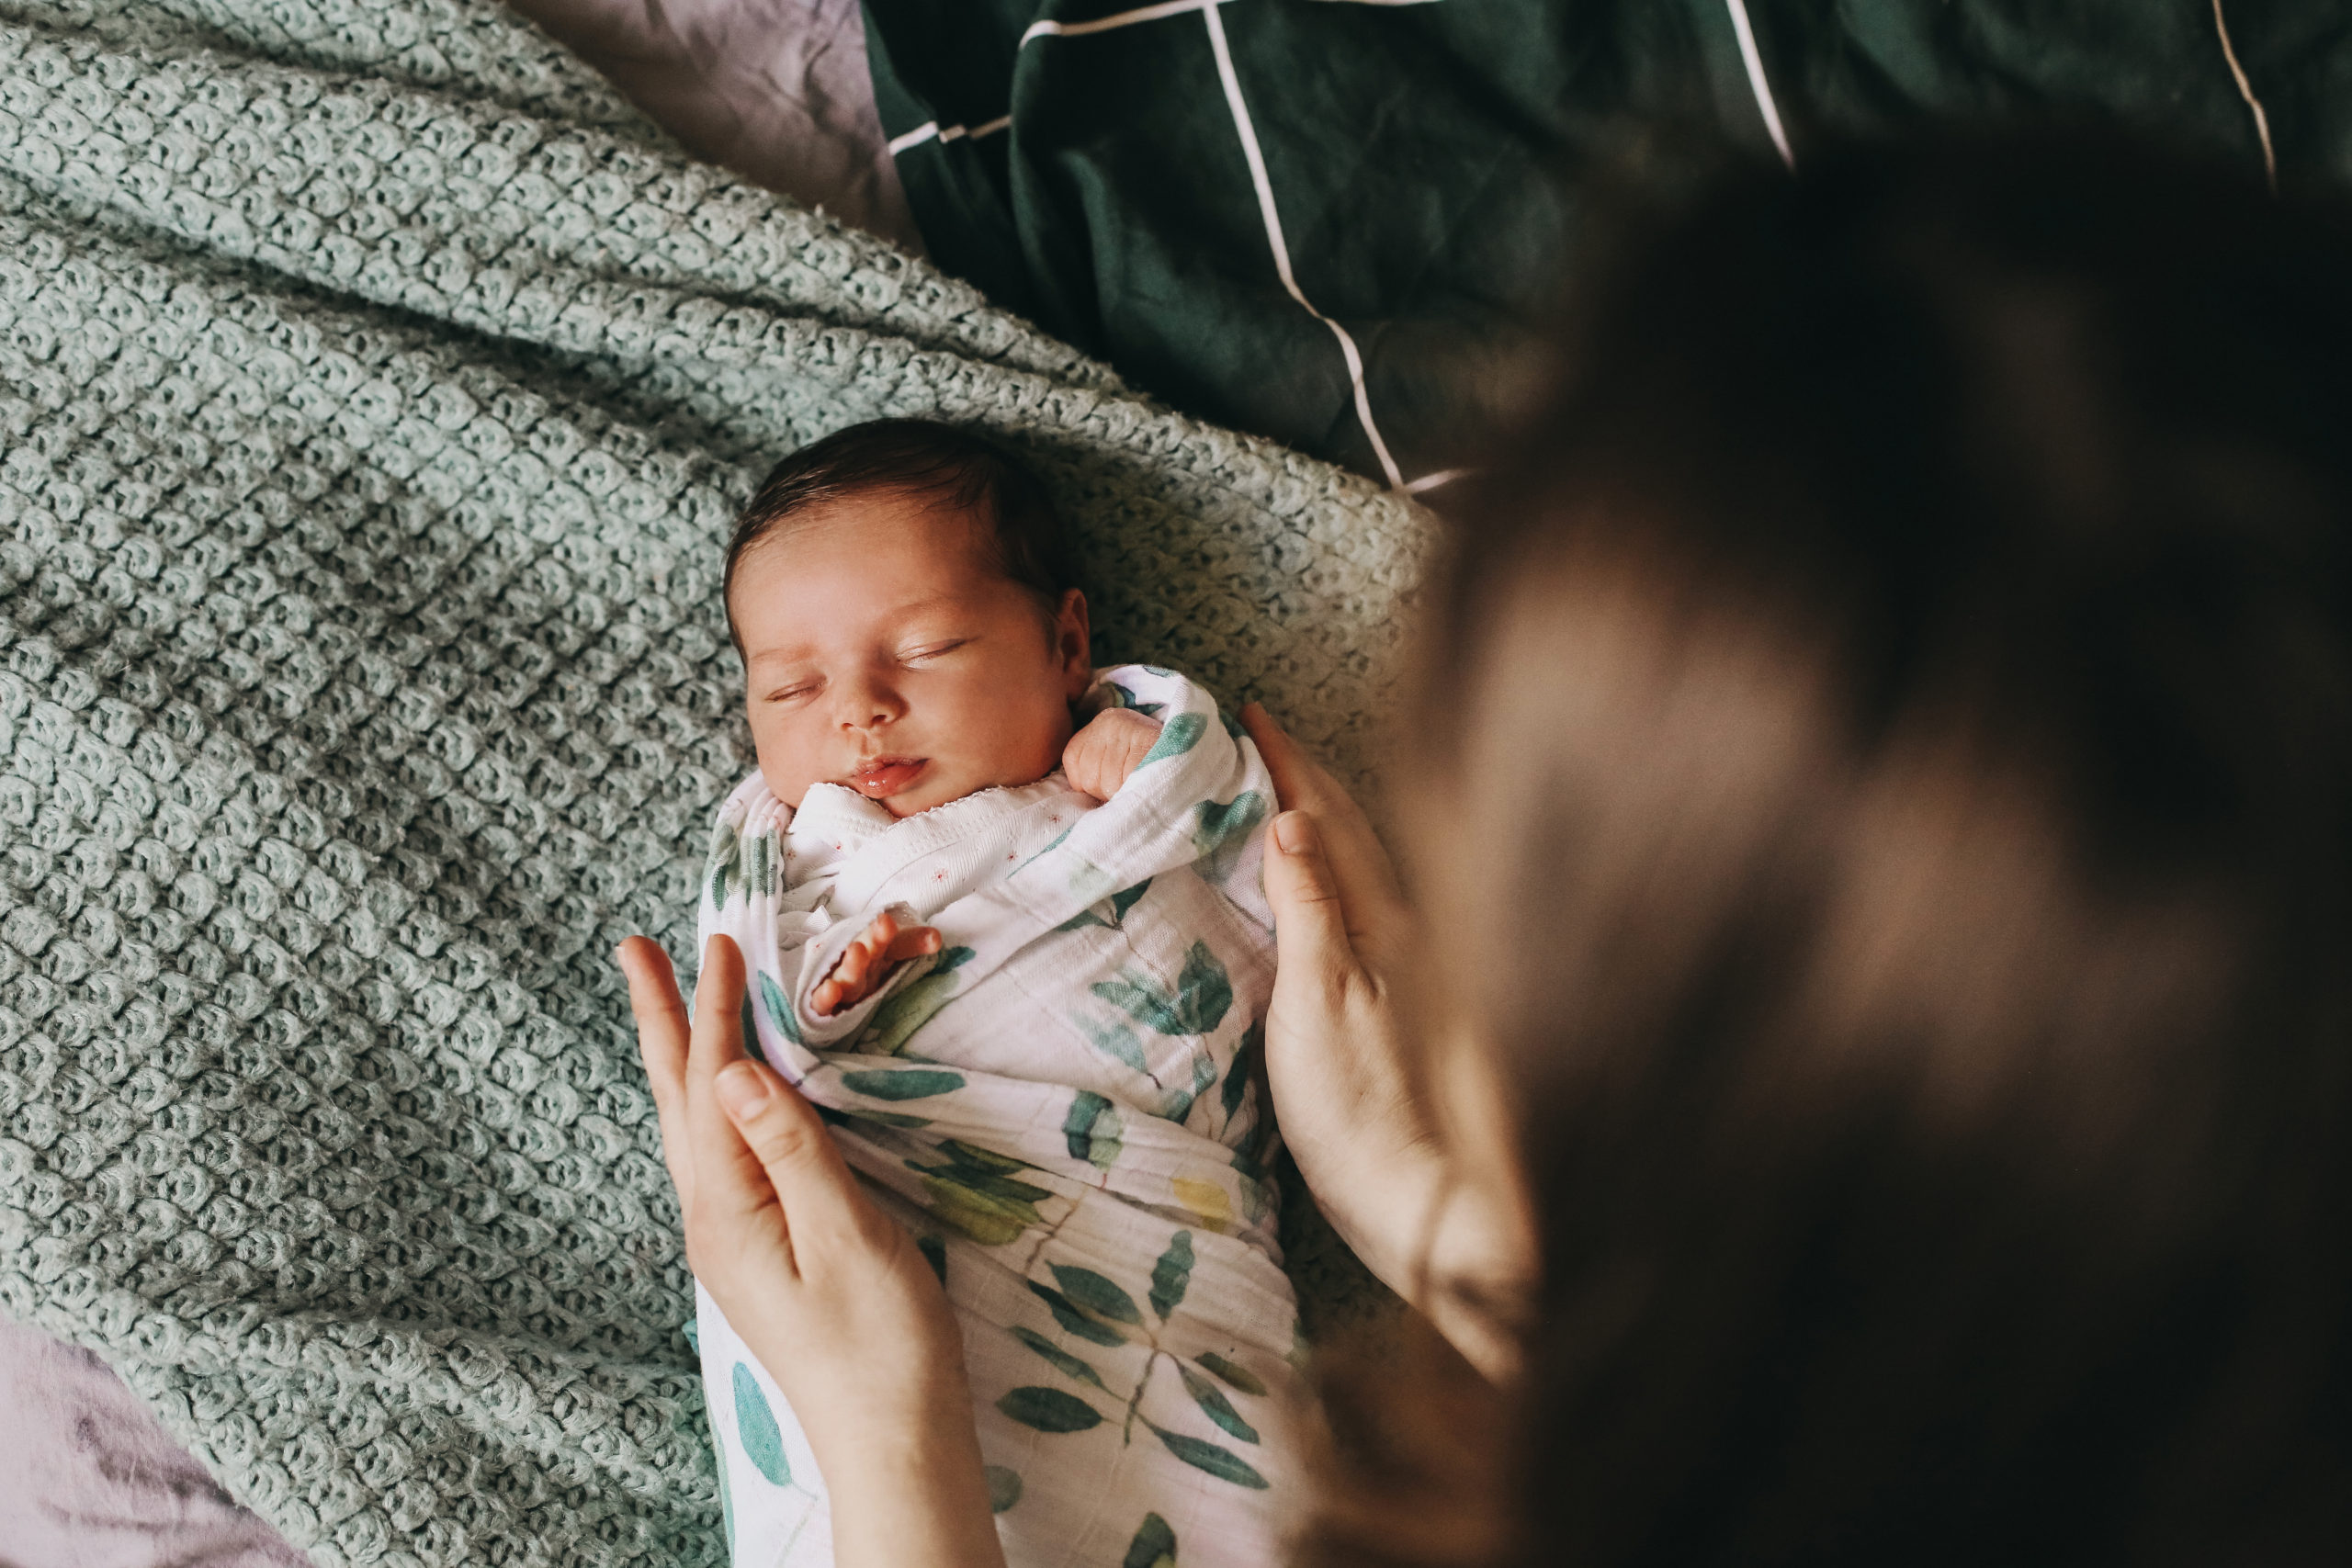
(910, 518)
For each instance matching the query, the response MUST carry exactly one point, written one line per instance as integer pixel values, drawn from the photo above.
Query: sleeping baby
(1002, 920)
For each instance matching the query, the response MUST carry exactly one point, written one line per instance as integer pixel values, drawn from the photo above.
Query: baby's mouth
(884, 776)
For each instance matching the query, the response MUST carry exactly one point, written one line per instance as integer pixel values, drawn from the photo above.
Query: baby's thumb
(1310, 925)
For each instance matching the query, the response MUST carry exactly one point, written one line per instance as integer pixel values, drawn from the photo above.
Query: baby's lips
(886, 776)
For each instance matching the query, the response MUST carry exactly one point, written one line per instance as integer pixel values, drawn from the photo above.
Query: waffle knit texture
(375, 392)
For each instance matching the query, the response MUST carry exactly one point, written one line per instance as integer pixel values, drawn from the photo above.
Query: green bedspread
(374, 390)
(1330, 221)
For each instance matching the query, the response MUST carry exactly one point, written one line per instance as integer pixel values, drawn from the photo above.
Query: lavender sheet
(89, 1480)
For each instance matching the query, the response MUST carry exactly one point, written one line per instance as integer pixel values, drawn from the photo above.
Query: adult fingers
(726, 1176)
(822, 1205)
(1359, 869)
(1299, 783)
(1311, 939)
(663, 1033)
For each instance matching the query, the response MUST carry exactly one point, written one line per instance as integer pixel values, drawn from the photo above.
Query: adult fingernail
(742, 1088)
(1295, 833)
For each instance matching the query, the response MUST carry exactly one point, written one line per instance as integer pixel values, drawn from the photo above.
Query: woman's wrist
(909, 1491)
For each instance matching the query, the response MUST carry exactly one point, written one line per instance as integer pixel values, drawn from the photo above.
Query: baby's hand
(1113, 744)
(880, 948)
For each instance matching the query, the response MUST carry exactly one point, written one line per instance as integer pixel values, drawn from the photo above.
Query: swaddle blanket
(1060, 1105)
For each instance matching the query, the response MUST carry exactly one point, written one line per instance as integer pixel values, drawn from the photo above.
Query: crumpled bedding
(88, 1479)
(777, 90)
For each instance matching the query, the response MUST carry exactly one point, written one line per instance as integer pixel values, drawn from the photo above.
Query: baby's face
(882, 652)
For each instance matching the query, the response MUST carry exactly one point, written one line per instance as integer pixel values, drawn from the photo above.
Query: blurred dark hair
(1912, 654)
(958, 469)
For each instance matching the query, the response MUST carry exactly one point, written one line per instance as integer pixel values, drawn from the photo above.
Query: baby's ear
(1073, 637)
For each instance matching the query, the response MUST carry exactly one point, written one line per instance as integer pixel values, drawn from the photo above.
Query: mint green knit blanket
(375, 392)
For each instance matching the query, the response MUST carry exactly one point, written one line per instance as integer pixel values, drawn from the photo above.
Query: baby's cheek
(785, 766)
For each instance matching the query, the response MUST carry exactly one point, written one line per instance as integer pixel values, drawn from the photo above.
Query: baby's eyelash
(932, 650)
(787, 694)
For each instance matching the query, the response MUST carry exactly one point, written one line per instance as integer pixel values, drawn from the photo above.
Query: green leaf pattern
(1116, 1040)
(1050, 1410)
(1091, 1130)
(1197, 1005)
(914, 1004)
(1154, 1545)
(1241, 1378)
(1178, 736)
(756, 1428)
(903, 1083)
(1215, 1406)
(1172, 1275)
(1221, 1462)
(1073, 1321)
(1106, 1332)
(975, 1195)
(1060, 1356)
(1221, 831)
(1096, 1293)
(781, 1016)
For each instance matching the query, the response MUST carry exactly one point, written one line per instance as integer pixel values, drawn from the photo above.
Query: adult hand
(1404, 1150)
(827, 1292)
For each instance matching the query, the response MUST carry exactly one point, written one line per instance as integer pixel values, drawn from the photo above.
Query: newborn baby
(1003, 922)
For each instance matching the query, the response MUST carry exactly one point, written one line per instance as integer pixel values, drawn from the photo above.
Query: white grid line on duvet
(1263, 185)
(1280, 248)
(1757, 83)
(2245, 91)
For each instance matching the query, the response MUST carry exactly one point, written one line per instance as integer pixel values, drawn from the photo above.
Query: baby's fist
(1113, 744)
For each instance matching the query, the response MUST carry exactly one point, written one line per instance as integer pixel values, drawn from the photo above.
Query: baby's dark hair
(959, 469)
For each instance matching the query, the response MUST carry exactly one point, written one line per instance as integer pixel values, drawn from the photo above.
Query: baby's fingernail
(742, 1088)
(1295, 833)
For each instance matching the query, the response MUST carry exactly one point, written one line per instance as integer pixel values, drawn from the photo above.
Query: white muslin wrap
(1061, 1106)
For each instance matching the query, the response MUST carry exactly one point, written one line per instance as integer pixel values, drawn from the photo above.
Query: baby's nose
(870, 706)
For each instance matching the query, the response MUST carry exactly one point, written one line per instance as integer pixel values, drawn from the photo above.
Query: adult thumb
(1310, 922)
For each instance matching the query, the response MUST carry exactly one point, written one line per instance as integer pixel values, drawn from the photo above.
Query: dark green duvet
(1331, 221)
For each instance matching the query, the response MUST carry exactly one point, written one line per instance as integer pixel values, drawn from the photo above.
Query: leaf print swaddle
(1060, 1105)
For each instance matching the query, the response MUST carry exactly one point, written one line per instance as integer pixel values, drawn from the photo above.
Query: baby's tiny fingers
(914, 943)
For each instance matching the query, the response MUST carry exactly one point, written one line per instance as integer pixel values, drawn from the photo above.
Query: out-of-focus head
(1889, 733)
(900, 594)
